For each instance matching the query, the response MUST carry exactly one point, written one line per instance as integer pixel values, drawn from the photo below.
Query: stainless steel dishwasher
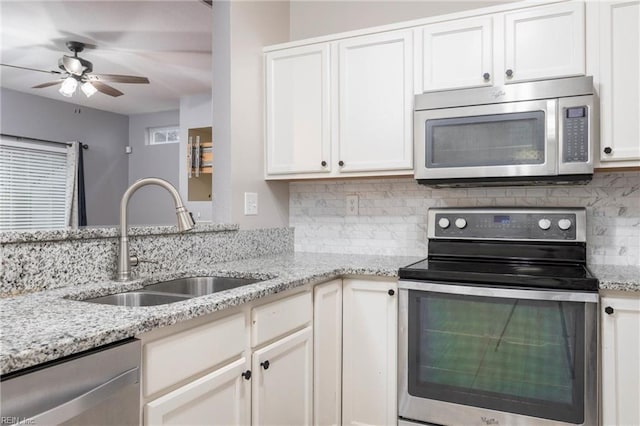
(97, 387)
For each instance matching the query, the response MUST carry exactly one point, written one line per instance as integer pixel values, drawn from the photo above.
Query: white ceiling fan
(78, 71)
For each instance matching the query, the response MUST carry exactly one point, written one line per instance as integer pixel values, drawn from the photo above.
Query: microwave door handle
(84, 402)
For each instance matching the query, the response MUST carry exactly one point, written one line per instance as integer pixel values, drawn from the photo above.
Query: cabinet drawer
(279, 318)
(175, 358)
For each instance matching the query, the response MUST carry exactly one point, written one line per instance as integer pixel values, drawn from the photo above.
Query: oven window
(488, 140)
(513, 355)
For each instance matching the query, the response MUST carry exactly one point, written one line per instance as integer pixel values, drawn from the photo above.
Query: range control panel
(509, 224)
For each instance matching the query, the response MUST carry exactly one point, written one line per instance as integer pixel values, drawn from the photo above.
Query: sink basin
(138, 298)
(199, 286)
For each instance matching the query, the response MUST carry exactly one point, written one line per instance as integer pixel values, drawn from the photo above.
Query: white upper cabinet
(354, 117)
(343, 105)
(457, 54)
(375, 102)
(297, 108)
(531, 44)
(616, 73)
(544, 42)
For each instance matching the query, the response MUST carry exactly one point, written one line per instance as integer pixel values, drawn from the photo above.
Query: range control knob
(461, 223)
(564, 224)
(443, 223)
(544, 224)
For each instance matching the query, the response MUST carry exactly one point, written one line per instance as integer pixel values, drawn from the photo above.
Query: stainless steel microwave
(523, 133)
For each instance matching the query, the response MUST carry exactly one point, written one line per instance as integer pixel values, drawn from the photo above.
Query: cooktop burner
(468, 271)
(506, 247)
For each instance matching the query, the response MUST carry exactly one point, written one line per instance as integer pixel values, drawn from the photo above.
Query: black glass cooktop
(564, 276)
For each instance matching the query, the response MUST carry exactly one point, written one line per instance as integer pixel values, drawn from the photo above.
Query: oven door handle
(505, 293)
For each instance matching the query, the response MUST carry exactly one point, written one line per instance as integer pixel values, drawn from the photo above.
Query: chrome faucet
(185, 221)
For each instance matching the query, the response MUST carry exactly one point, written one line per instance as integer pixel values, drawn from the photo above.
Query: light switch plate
(250, 203)
(352, 205)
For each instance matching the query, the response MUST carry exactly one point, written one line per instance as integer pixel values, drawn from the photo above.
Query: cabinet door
(370, 339)
(375, 102)
(545, 42)
(620, 360)
(327, 353)
(619, 83)
(457, 54)
(297, 108)
(220, 398)
(282, 381)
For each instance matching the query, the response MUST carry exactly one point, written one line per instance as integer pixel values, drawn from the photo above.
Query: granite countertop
(90, 232)
(44, 326)
(617, 277)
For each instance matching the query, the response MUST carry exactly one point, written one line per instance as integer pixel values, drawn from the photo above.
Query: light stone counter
(47, 325)
(615, 277)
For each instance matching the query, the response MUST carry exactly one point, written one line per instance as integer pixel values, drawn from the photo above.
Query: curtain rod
(84, 145)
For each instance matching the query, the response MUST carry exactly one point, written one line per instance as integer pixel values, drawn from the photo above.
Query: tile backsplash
(392, 213)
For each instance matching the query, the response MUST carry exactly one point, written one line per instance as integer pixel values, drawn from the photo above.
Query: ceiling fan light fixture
(88, 89)
(68, 87)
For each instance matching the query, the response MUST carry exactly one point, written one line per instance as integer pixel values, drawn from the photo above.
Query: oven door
(493, 356)
(487, 141)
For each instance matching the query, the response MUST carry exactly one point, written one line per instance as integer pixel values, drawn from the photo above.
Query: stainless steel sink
(199, 286)
(138, 298)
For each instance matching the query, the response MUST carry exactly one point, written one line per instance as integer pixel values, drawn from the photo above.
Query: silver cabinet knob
(564, 224)
(461, 223)
(544, 224)
(443, 223)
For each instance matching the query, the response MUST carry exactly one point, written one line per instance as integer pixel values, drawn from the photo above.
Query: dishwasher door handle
(84, 402)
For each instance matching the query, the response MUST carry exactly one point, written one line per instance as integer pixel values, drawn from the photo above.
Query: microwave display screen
(575, 112)
(503, 220)
(486, 140)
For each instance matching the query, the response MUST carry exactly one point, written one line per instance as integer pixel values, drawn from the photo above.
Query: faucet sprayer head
(185, 221)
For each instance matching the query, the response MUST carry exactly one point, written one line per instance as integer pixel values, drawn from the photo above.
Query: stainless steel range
(498, 326)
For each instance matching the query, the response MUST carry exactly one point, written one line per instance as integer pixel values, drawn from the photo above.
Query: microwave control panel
(576, 135)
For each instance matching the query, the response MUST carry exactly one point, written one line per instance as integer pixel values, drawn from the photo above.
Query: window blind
(33, 186)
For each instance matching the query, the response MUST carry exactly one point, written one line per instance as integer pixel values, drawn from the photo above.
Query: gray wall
(316, 18)
(150, 204)
(106, 133)
(240, 30)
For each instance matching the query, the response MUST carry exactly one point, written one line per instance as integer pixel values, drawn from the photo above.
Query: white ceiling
(167, 41)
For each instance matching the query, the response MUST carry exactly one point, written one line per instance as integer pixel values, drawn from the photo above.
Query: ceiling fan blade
(31, 69)
(106, 89)
(50, 83)
(115, 78)
(72, 65)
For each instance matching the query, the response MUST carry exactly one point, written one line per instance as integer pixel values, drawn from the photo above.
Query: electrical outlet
(250, 203)
(352, 205)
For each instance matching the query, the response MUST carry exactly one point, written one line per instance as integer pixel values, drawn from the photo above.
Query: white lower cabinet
(252, 366)
(620, 320)
(326, 357)
(282, 381)
(369, 363)
(327, 360)
(219, 398)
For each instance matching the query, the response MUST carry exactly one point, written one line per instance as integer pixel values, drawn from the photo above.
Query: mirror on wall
(168, 42)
